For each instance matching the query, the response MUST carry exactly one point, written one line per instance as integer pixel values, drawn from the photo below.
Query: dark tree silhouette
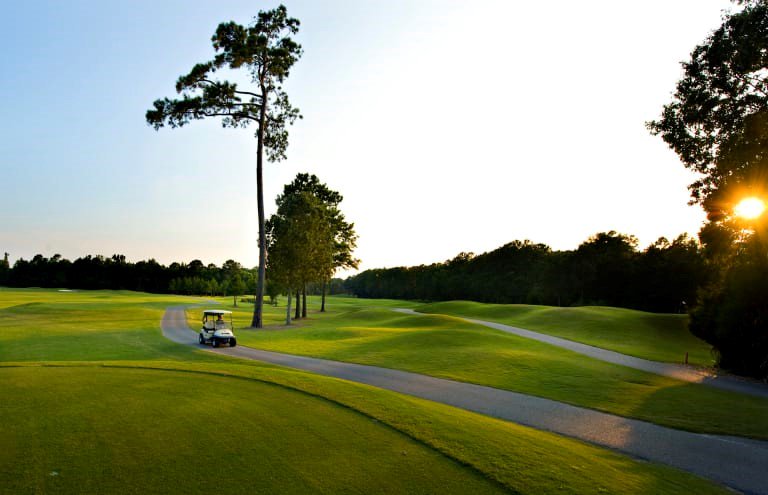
(606, 269)
(5, 268)
(717, 123)
(718, 117)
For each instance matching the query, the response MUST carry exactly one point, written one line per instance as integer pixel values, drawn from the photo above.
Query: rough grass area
(360, 331)
(92, 425)
(658, 337)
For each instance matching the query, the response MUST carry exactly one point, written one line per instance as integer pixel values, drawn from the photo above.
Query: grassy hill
(658, 337)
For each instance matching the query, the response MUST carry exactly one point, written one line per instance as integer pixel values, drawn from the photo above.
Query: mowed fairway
(137, 414)
(658, 337)
(46, 325)
(368, 332)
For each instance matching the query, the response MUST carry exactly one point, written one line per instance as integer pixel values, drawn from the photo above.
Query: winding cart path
(677, 371)
(736, 462)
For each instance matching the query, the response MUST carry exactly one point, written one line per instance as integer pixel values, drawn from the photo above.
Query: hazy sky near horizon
(448, 126)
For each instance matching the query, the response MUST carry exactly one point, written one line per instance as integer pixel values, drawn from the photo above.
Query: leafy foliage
(343, 232)
(300, 241)
(733, 315)
(266, 50)
(717, 120)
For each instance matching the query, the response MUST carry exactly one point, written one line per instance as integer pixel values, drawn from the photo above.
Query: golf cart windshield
(217, 319)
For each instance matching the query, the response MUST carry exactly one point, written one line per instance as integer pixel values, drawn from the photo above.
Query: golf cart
(216, 329)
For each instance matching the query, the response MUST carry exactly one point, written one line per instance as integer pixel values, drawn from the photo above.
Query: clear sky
(447, 126)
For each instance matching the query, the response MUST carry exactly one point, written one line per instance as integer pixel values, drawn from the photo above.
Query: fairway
(368, 332)
(84, 326)
(100, 421)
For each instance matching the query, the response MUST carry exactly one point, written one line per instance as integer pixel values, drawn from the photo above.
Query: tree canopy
(342, 233)
(717, 121)
(300, 243)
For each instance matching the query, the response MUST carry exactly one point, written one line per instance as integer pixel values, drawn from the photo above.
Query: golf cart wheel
(214, 343)
(232, 342)
(200, 340)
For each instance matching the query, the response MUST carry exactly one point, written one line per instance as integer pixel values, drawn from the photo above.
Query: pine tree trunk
(322, 303)
(304, 302)
(288, 309)
(257, 321)
(298, 306)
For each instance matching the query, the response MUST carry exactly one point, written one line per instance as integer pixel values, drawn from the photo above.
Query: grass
(360, 331)
(658, 337)
(138, 420)
(43, 325)
(204, 434)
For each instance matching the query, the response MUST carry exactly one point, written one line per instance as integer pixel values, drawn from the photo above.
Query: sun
(750, 208)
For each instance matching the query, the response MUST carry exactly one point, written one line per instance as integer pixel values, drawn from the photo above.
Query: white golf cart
(216, 329)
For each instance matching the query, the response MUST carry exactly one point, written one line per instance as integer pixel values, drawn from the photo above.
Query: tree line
(97, 272)
(93, 272)
(607, 269)
(309, 240)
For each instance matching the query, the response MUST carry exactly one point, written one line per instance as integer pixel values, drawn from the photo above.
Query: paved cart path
(736, 462)
(677, 371)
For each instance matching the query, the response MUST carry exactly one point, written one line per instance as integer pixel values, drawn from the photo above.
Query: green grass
(203, 434)
(44, 325)
(98, 420)
(360, 331)
(658, 337)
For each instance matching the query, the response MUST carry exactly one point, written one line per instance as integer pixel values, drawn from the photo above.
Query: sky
(447, 126)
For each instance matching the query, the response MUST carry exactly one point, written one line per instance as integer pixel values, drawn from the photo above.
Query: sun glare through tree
(750, 208)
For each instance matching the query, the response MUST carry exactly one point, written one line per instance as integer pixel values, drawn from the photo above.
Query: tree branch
(255, 95)
(237, 91)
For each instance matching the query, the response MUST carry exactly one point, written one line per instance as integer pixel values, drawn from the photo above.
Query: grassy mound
(658, 337)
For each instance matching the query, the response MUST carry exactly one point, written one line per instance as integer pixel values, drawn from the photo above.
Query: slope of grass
(451, 348)
(138, 425)
(124, 430)
(658, 337)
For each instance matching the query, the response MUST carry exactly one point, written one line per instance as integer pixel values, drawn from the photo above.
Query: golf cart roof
(216, 312)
